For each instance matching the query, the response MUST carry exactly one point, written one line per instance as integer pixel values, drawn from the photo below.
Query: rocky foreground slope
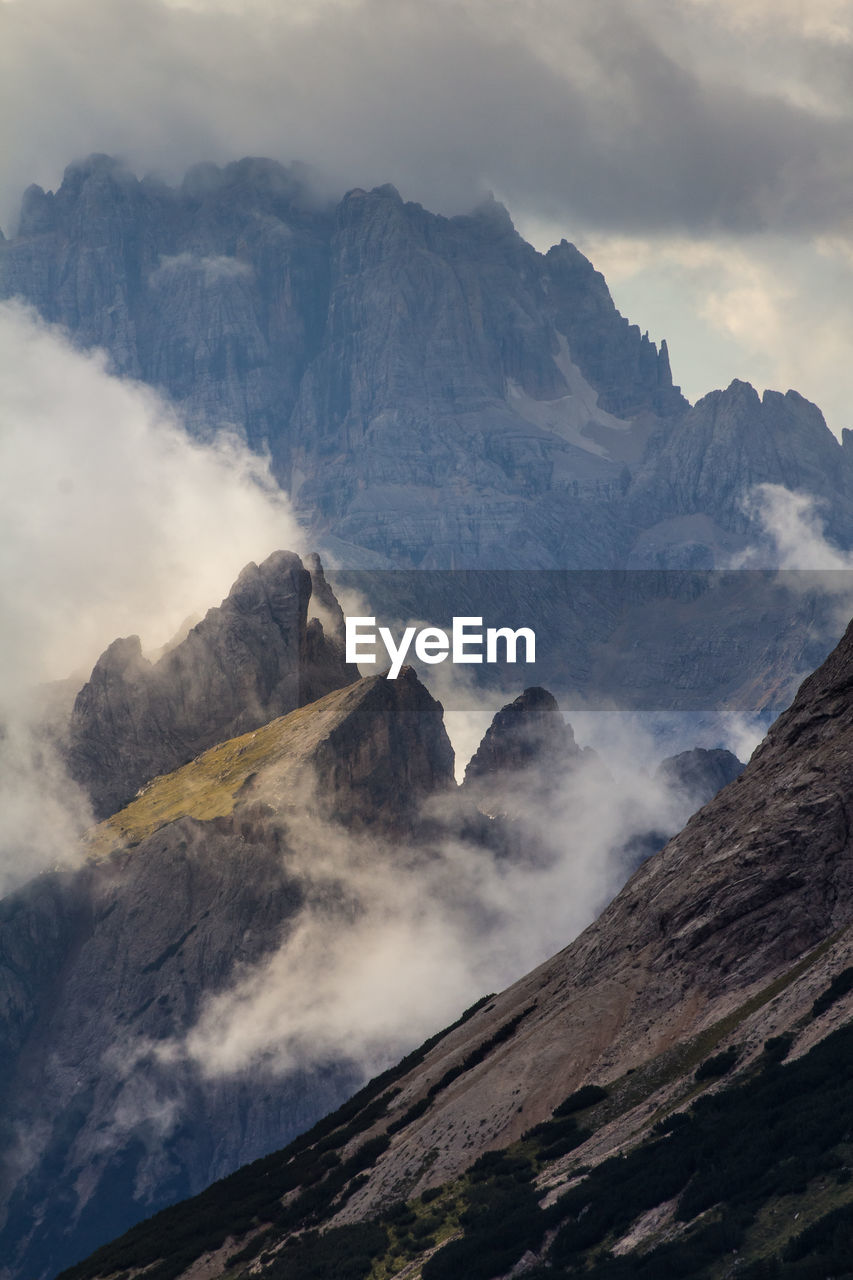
(723, 967)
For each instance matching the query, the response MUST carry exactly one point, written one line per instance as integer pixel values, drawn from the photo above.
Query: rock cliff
(758, 880)
(528, 732)
(432, 390)
(254, 657)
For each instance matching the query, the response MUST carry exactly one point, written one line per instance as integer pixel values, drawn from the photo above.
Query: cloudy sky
(701, 151)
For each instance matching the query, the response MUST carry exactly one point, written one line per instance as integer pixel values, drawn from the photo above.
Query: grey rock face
(100, 969)
(733, 928)
(699, 774)
(707, 461)
(529, 732)
(384, 355)
(97, 1131)
(254, 658)
(432, 390)
(692, 779)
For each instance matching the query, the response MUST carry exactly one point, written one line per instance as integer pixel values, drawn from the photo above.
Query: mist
(648, 116)
(112, 521)
(396, 938)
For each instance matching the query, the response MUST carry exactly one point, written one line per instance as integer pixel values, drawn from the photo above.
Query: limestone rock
(527, 732)
(709, 460)
(253, 658)
(432, 390)
(700, 773)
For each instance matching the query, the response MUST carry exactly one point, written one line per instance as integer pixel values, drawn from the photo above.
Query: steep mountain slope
(728, 951)
(758, 878)
(711, 457)
(433, 391)
(101, 970)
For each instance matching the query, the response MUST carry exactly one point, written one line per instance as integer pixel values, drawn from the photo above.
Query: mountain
(435, 395)
(700, 773)
(433, 391)
(199, 879)
(247, 867)
(669, 1091)
(255, 657)
(529, 733)
(691, 779)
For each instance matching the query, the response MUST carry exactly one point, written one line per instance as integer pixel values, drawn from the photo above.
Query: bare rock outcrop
(254, 657)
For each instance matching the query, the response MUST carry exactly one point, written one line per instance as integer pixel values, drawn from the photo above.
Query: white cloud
(112, 521)
(213, 267)
(715, 121)
(395, 938)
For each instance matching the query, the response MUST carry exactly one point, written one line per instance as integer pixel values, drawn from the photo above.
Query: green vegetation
(774, 1136)
(473, 1059)
(501, 1220)
(209, 786)
(580, 1100)
(724, 1174)
(478, 1055)
(346, 1253)
(777, 1048)
(732, 1153)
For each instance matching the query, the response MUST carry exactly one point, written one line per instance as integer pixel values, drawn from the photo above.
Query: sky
(700, 151)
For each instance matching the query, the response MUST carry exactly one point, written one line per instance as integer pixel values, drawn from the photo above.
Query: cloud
(112, 521)
(42, 812)
(395, 938)
(794, 529)
(724, 123)
(212, 267)
(600, 111)
(792, 539)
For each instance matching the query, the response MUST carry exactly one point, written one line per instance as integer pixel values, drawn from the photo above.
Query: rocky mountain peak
(37, 212)
(186, 888)
(523, 761)
(254, 657)
(528, 732)
(382, 354)
(726, 953)
(700, 773)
